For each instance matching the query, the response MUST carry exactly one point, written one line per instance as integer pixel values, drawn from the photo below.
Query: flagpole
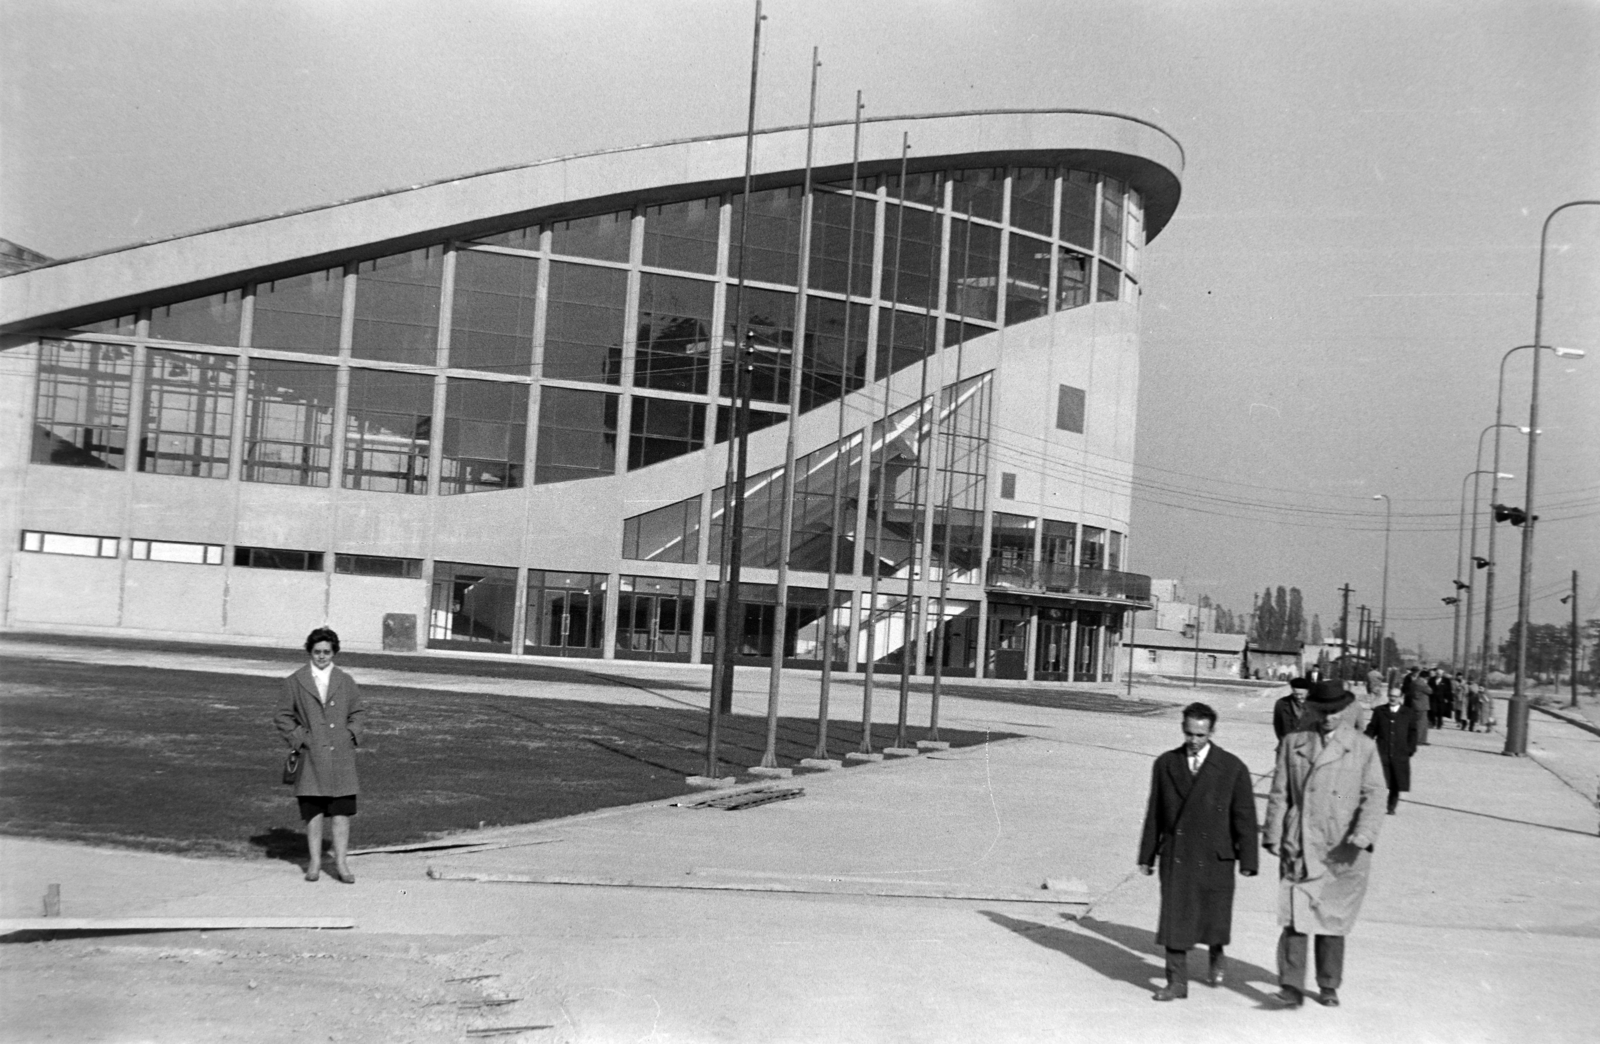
(780, 620)
(949, 487)
(914, 533)
(732, 544)
(882, 467)
(829, 638)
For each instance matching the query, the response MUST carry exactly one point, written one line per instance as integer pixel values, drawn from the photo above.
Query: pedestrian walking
(1475, 695)
(1394, 729)
(1287, 710)
(320, 715)
(1322, 824)
(1421, 701)
(1458, 696)
(1201, 824)
(1443, 697)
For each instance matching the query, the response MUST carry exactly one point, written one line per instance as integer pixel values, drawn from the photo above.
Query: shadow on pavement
(1503, 819)
(1242, 975)
(1129, 955)
(1111, 959)
(282, 843)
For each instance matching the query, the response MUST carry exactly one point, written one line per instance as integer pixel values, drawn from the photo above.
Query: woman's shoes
(342, 876)
(313, 873)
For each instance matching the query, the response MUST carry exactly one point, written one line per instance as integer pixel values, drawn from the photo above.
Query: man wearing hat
(1322, 822)
(1287, 711)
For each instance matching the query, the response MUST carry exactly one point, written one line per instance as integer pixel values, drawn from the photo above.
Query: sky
(1323, 320)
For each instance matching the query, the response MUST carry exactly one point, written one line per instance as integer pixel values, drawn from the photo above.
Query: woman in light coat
(1323, 817)
(321, 716)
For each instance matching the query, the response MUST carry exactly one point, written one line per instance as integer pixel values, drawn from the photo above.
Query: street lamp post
(1383, 611)
(1494, 498)
(1467, 586)
(1517, 714)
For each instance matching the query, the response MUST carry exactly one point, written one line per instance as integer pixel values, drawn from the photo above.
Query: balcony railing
(1023, 575)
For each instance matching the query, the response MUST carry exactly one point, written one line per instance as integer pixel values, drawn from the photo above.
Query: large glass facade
(583, 330)
(206, 320)
(388, 429)
(491, 324)
(300, 313)
(641, 305)
(289, 423)
(397, 307)
(188, 414)
(674, 343)
(81, 405)
(485, 436)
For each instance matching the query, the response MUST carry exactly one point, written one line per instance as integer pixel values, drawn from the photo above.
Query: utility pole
(1344, 629)
(1572, 596)
(1195, 682)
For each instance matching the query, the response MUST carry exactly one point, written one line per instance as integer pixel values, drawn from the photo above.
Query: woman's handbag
(291, 768)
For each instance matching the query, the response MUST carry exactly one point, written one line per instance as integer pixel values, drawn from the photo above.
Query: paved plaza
(899, 901)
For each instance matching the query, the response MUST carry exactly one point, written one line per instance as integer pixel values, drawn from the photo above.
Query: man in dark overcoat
(1287, 711)
(1201, 824)
(1394, 729)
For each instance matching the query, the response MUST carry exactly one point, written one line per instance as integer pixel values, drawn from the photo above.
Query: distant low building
(1274, 659)
(1176, 652)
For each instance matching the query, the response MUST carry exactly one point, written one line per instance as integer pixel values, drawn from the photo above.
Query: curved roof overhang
(199, 263)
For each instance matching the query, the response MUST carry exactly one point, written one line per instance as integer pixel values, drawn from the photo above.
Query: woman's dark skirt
(311, 805)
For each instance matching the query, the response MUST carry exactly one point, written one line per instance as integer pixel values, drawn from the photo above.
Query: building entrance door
(1090, 628)
(654, 618)
(566, 613)
(1008, 642)
(1054, 633)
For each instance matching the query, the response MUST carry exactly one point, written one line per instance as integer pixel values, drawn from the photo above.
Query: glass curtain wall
(581, 297)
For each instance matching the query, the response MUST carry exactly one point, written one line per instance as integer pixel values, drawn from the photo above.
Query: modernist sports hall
(493, 413)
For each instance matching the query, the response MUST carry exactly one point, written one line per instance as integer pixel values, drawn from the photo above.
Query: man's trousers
(1292, 960)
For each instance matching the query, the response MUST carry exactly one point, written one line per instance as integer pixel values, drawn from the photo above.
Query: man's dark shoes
(1215, 976)
(1289, 997)
(1329, 997)
(1170, 992)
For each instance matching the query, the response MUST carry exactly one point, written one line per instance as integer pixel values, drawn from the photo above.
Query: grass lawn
(188, 761)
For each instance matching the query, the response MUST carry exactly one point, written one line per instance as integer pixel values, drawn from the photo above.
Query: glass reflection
(603, 237)
(674, 343)
(584, 322)
(491, 325)
(299, 313)
(683, 236)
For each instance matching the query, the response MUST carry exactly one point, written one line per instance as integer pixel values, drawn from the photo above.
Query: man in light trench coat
(1323, 818)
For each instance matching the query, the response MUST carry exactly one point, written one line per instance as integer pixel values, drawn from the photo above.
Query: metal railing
(1020, 574)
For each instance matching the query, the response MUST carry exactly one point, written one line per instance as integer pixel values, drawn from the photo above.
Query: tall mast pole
(914, 549)
(780, 619)
(883, 466)
(949, 489)
(840, 471)
(738, 455)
